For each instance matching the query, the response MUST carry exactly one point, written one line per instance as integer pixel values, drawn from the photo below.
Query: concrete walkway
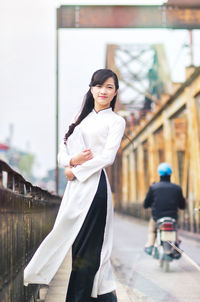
(58, 286)
(56, 292)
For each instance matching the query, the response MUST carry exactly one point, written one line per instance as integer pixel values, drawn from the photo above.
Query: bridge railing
(27, 214)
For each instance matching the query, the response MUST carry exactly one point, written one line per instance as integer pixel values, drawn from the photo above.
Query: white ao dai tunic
(102, 133)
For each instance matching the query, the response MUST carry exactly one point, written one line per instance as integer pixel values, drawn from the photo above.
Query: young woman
(85, 216)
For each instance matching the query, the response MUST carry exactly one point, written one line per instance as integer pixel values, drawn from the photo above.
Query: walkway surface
(58, 286)
(139, 277)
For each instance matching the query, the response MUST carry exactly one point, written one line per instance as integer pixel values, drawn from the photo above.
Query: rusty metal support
(57, 103)
(125, 178)
(171, 133)
(191, 49)
(108, 16)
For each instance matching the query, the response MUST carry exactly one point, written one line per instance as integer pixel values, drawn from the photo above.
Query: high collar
(165, 178)
(102, 111)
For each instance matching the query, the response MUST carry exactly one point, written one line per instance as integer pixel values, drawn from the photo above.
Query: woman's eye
(98, 85)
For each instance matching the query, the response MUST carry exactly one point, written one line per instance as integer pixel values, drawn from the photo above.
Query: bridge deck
(58, 286)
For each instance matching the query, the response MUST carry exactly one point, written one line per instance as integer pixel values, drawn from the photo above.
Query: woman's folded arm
(107, 157)
(63, 157)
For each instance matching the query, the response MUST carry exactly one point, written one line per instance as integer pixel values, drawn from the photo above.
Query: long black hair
(98, 77)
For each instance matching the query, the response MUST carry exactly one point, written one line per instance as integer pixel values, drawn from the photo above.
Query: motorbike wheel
(166, 266)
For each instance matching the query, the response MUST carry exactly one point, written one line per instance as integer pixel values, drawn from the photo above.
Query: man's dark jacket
(164, 198)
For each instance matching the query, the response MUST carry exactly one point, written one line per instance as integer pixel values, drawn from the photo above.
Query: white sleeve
(63, 156)
(107, 157)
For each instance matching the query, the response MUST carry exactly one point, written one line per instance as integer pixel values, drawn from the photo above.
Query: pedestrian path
(56, 292)
(58, 286)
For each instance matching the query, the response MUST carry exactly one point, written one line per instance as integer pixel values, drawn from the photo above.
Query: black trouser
(86, 250)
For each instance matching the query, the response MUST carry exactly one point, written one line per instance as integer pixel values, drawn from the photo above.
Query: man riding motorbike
(164, 198)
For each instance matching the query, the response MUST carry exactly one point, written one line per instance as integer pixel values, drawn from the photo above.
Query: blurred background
(28, 75)
(154, 47)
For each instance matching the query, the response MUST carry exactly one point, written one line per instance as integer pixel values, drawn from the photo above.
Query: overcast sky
(27, 69)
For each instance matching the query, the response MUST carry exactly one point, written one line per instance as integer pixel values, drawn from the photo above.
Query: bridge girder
(173, 16)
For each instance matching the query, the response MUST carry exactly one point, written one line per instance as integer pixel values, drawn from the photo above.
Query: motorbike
(166, 239)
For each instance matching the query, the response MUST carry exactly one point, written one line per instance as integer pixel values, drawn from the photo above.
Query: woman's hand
(68, 173)
(81, 157)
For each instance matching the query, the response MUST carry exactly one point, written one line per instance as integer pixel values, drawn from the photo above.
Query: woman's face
(103, 94)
